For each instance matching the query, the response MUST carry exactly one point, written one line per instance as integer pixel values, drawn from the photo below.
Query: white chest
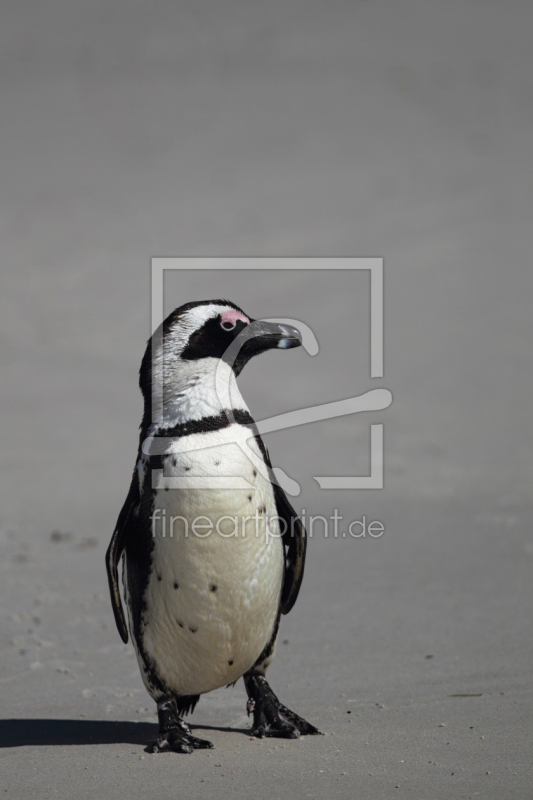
(217, 563)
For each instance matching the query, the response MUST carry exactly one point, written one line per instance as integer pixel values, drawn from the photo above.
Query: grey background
(375, 128)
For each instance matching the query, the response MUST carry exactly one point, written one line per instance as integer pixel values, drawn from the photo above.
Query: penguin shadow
(38, 732)
(62, 732)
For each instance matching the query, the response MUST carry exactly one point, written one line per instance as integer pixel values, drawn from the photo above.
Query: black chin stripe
(213, 423)
(207, 424)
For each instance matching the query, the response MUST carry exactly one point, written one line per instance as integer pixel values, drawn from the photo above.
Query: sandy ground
(400, 130)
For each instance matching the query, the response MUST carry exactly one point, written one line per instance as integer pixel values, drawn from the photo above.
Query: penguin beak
(258, 336)
(268, 335)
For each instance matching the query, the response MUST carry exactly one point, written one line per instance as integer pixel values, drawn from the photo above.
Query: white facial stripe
(190, 322)
(198, 388)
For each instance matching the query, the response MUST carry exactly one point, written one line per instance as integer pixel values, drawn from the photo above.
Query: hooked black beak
(267, 335)
(258, 336)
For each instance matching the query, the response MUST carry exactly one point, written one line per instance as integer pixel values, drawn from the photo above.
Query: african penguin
(213, 551)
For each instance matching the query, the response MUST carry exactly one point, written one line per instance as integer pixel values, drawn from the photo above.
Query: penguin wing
(114, 552)
(295, 543)
(294, 536)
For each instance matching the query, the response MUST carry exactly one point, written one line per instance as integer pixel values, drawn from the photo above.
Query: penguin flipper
(294, 536)
(112, 558)
(295, 543)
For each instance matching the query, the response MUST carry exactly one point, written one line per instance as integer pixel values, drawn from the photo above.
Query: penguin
(213, 553)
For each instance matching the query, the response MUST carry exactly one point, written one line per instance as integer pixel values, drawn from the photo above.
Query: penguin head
(199, 335)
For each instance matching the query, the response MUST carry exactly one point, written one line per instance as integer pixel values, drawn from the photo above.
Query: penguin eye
(228, 326)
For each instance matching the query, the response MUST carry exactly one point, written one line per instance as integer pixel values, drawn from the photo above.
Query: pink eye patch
(232, 316)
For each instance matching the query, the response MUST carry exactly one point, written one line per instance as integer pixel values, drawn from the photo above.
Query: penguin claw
(201, 744)
(167, 744)
(263, 732)
(301, 724)
(176, 741)
(271, 718)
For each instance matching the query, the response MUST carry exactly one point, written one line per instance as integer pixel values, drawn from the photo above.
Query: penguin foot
(177, 741)
(271, 718)
(174, 734)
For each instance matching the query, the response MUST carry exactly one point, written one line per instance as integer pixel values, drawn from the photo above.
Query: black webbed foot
(174, 734)
(271, 718)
